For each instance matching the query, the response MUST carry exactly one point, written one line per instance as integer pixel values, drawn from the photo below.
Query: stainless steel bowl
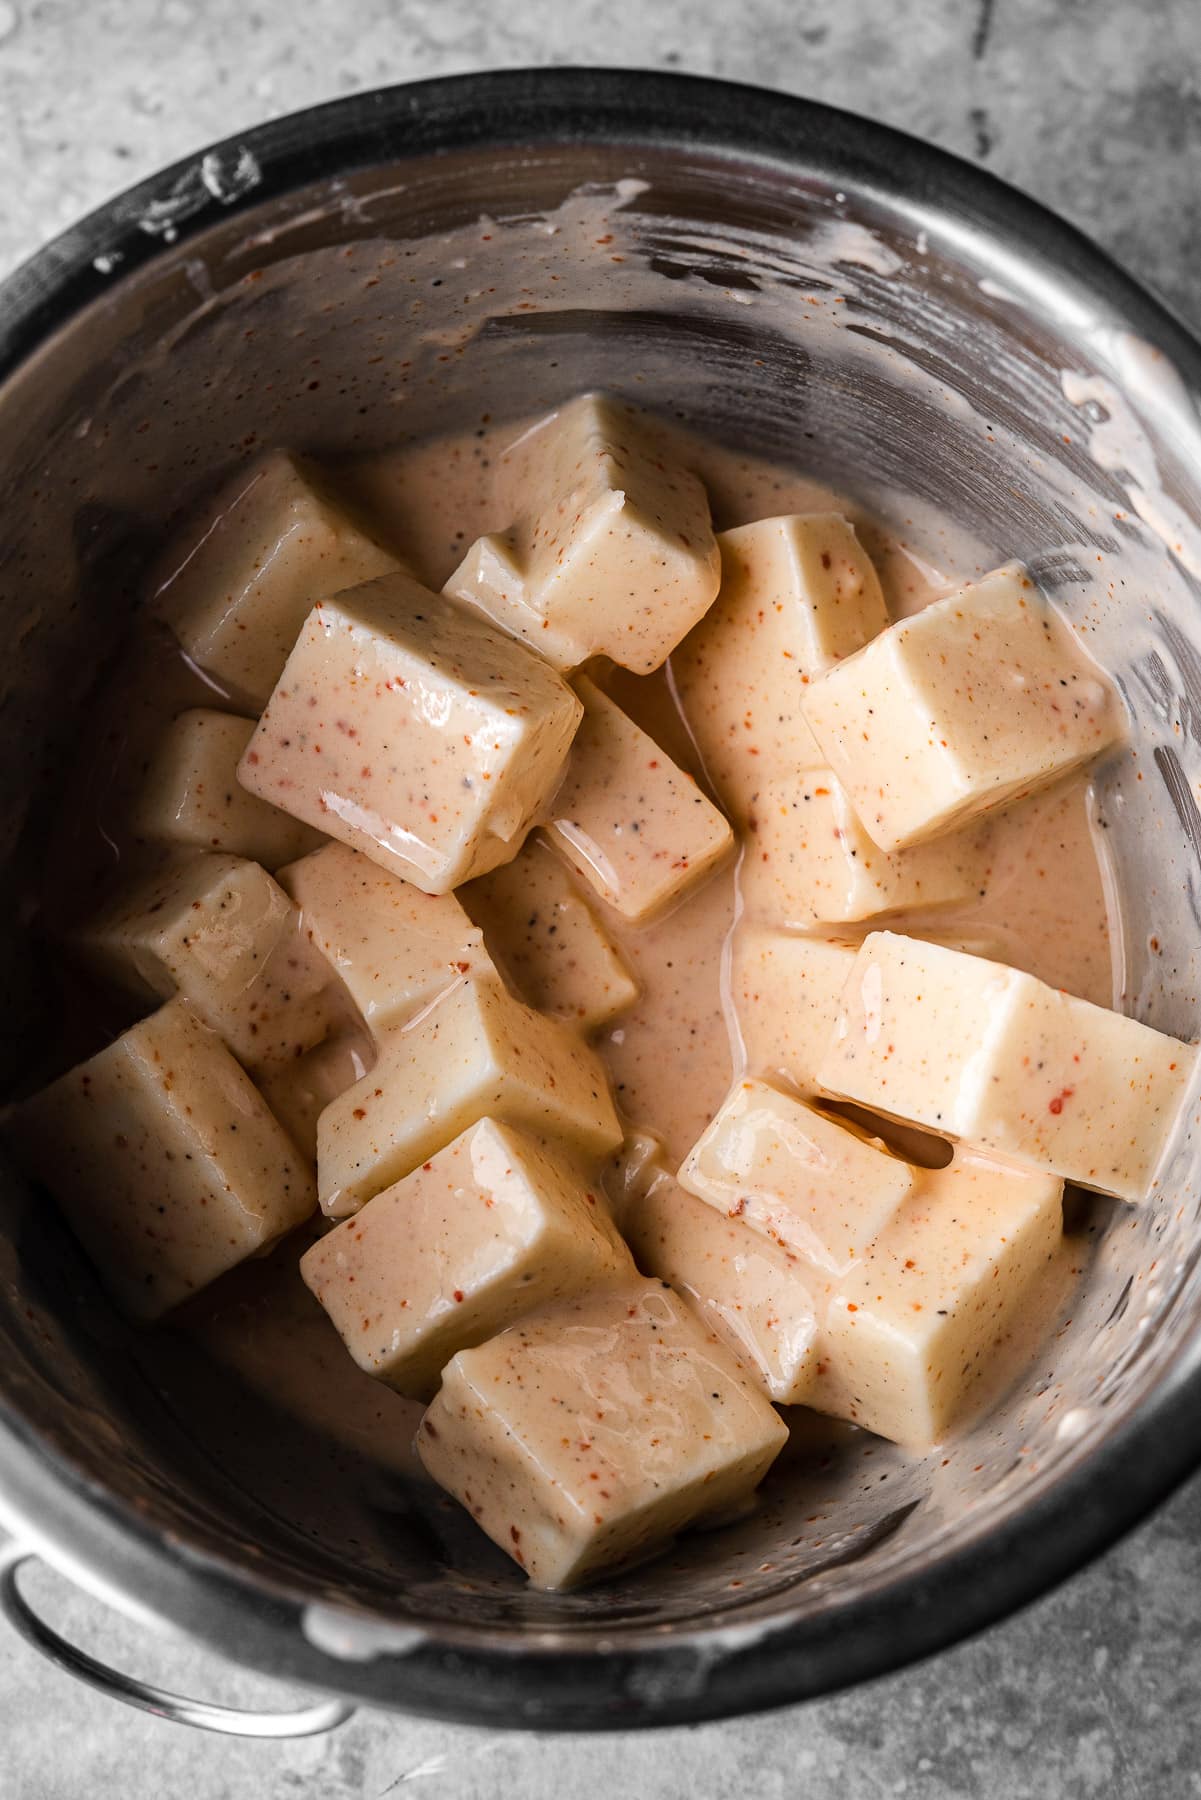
(788, 278)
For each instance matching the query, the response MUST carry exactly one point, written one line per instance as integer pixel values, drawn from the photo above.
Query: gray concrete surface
(1096, 108)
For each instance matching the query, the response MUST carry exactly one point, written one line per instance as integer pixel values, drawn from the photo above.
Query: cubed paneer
(798, 593)
(637, 828)
(475, 1053)
(493, 1226)
(980, 942)
(754, 1296)
(220, 932)
(978, 699)
(413, 730)
(990, 1056)
(616, 555)
(491, 577)
(550, 941)
(299, 1091)
(191, 795)
(165, 1160)
(394, 947)
(786, 991)
(916, 1328)
(808, 861)
(813, 1185)
(239, 585)
(634, 1167)
(586, 1436)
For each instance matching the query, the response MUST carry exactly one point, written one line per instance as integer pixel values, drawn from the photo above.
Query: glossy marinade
(680, 867)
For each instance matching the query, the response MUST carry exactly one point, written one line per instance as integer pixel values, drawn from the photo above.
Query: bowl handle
(305, 1721)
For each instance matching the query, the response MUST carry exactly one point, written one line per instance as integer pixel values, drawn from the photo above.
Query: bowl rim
(635, 1677)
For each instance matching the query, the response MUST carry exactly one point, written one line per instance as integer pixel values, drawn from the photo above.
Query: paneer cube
(549, 940)
(809, 862)
(916, 1328)
(978, 699)
(413, 730)
(786, 991)
(757, 1298)
(492, 1226)
(299, 1091)
(394, 947)
(191, 795)
(239, 585)
(475, 1053)
(816, 1186)
(585, 1437)
(990, 1056)
(220, 932)
(637, 828)
(981, 942)
(616, 555)
(798, 593)
(491, 577)
(632, 1170)
(164, 1159)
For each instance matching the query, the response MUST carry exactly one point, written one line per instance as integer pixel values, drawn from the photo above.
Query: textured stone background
(1093, 106)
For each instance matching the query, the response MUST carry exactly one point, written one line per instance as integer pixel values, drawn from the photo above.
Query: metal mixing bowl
(793, 280)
